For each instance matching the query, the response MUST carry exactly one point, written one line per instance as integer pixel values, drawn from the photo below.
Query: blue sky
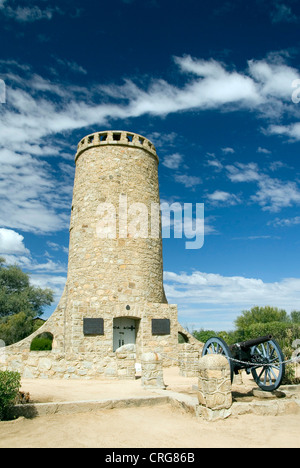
(214, 85)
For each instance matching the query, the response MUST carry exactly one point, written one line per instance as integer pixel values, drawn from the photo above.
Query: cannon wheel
(219, 346)
(269, 376)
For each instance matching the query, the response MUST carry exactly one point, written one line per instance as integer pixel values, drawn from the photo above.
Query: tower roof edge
(115, 137)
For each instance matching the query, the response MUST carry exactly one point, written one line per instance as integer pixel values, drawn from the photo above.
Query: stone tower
(114, 292)
(119, 260)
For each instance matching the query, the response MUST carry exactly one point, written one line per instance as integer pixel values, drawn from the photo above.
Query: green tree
(257, 315)
(20, 303)
(295, 316)
(204, 335)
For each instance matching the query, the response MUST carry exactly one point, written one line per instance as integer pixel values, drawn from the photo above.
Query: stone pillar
(126, 356)
(152, 371)
(214, 388)
(188, 358)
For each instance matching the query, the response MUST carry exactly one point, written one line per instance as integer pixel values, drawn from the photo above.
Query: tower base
(86, 337)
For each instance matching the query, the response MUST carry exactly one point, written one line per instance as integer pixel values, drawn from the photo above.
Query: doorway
(125, 330)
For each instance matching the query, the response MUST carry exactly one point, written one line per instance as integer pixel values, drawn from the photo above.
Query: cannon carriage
(261, 356)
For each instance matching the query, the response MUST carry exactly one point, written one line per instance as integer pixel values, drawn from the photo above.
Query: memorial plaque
(93, 326)
(161, 327)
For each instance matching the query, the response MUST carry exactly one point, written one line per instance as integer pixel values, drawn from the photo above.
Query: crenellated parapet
(115, 138)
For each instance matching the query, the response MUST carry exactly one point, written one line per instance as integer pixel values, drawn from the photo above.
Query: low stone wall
(48, 364)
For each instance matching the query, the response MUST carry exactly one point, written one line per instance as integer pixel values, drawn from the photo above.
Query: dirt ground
(160, 426)
(150, 427)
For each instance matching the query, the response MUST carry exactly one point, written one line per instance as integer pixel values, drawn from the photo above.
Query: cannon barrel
(256, 341)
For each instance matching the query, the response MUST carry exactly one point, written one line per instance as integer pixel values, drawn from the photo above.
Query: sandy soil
(146, 427)
(157, 427)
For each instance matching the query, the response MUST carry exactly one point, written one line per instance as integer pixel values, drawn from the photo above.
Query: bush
(9, 389)
(204, 335)
(41, 343)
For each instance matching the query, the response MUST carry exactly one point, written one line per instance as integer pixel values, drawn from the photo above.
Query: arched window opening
(42, 342)
(182, 338)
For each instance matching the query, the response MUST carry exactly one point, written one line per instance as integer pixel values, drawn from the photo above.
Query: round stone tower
(114, 294)
(115, 251)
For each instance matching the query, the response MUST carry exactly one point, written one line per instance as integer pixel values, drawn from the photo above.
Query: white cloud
(37, 107)
(291, 130)
(37, 110)
(282, 13)
(29, 197)
(265, 86)
(209, 300)
(273, 78)
(243, 172)
(172, 161)
(215, 163)
(219, 197)
(272, 194)
(13, 249)
(286, 222)
(71, 65)
(228, 150)
(11, 242)
(52, 281)
(27, 14)
(263, 150)
(56, 247)
(187, 180)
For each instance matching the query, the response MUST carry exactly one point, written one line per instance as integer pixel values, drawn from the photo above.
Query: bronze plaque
(93, 326)
(161, 327)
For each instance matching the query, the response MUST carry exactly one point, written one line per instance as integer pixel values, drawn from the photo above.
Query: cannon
(261, 356)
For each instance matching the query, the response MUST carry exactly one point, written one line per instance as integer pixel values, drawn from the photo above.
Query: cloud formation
(12, 242)
(38, 111)
(28, 13)
(209, 299)
(272, 194)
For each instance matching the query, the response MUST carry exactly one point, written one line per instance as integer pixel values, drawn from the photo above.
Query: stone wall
(76, 355)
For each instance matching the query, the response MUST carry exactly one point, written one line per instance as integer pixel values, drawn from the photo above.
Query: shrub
(290, 376)
(9, 389)
(204, 335)
(42, 342)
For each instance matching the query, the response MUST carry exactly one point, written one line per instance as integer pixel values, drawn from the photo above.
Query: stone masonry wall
(82, 356)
